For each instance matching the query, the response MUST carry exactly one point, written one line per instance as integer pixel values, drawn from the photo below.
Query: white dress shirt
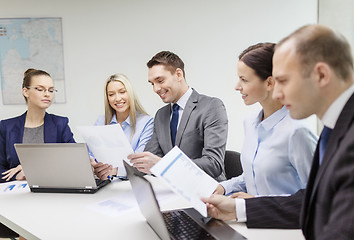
(182, 102)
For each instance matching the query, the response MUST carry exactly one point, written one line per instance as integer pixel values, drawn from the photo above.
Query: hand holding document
(108, 143)
(185, 178)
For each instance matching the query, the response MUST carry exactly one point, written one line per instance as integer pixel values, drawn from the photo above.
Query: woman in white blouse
(277, 152)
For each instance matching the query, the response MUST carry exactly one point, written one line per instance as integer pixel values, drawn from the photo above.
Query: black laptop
(58, 168)
(177, 224)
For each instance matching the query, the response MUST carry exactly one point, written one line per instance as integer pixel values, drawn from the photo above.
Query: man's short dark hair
(168, 59)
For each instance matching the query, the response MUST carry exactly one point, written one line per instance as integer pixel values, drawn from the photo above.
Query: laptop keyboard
(182, 226)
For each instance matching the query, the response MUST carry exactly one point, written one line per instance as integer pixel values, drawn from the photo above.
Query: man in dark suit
(313, 69)
(196, 123)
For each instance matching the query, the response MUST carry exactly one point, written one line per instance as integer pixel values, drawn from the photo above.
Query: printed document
(108, 143)
(185, 178)
(14, 187)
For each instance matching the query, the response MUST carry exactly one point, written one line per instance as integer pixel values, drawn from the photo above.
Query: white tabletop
(110, 213)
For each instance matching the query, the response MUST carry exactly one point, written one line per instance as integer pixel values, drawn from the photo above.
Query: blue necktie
(326, 133)
(174, 123)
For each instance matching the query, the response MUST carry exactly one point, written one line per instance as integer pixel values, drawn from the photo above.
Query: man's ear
(270, 83)
(179, 73)
(322, 73)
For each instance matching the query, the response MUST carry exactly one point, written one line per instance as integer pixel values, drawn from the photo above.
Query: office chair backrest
(233, 167)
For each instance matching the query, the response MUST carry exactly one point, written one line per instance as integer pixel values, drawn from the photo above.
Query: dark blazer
(56, 130)
(201, 134)
(327, 210)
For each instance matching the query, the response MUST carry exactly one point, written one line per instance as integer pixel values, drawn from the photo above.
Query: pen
(96, 160)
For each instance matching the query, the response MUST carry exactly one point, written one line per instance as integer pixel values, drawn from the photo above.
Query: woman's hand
(241, 195)
(11, 172)
(219, 190)
(102, 171)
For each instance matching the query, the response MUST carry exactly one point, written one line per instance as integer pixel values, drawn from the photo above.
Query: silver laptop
(58, 167)
(176, 224)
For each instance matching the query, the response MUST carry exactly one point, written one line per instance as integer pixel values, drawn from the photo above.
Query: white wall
(109, 36)
(339, 16)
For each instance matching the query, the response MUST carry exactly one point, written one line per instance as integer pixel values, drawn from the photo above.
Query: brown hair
(259, 57)
(317, 43)
(169, 59)
(28, 74)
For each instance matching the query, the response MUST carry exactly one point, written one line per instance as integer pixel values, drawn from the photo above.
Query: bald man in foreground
(313, 69)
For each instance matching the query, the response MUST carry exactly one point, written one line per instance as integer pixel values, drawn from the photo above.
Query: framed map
(30, 43)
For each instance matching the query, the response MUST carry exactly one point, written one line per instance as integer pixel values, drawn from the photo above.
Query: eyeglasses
(43, 89)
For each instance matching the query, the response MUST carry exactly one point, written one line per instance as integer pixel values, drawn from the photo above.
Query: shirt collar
(182, 102)
(114, 120)
(272, 120)
(331, 116)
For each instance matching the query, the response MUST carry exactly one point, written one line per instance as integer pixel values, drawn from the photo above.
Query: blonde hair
(135, 105)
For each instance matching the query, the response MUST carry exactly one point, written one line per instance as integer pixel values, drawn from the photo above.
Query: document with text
(185, 178)
(108, 143)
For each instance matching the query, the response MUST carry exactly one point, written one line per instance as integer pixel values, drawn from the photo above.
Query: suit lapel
(304, 219)
(17, 131)
(191, 104)
(164, 124)
(50, 130)
(343, 123)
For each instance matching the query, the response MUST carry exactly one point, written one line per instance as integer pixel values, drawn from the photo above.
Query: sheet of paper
(14, 187)
(108, 143)
(115, 207)
(184, 177)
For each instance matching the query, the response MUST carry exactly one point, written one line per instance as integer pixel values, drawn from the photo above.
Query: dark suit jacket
(201, 134)
(56, 130)
(327, 210)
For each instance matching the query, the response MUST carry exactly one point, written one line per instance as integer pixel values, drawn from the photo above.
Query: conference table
(110, 213)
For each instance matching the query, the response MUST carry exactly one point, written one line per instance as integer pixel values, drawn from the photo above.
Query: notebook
(176, 224)
(58, 168)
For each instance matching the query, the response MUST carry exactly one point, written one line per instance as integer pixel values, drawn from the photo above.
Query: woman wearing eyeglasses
(122, 107)
(34, 126)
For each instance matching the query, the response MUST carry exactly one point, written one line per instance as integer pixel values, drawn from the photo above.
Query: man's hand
(241, 195)
(143, 161)
(11, 172)
(219, 190)
(103, 170)
(221, 207)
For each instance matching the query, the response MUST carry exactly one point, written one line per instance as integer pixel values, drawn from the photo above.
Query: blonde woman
(123, 107)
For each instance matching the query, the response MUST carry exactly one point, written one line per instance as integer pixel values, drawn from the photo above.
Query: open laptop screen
(57, 167)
